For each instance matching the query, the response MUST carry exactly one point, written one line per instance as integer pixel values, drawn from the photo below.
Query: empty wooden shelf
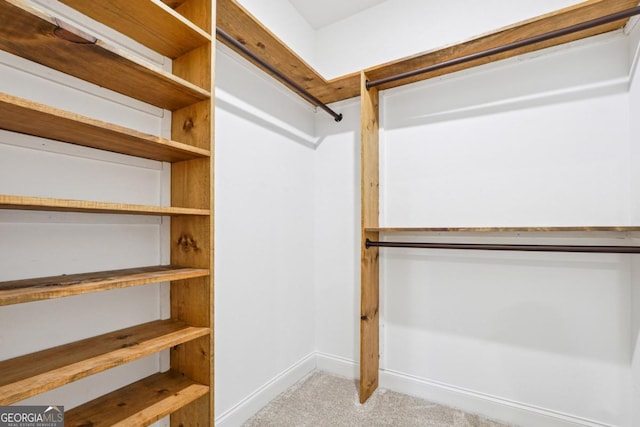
(66, 205)
(139, 404)
(536, 229)
(152, 23)
(35, 373)
(47, 40)
(32, 118)
(41, 288)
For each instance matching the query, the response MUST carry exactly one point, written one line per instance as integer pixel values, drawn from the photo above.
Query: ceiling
(322, 13)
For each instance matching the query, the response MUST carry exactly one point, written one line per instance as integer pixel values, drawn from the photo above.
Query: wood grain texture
(67, 205)
(36, 36)
(35, 373)
(201, 13)
(563, 18)
(151, 23)
(21, 115)
(189, 66)
(503, 229)
(370, 156)
(338, 89)
(192, 125)
(139, 404)
(21, 291)
(369, 269)
(238, 22)
(192, 237)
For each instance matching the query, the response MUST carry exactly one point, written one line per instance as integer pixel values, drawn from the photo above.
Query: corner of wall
(254, 402)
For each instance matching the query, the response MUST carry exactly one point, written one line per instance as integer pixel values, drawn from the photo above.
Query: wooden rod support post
(369, 278)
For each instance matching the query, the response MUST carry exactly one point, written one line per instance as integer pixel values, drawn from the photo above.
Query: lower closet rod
(306, 95)
(510, 46)
(517, 248)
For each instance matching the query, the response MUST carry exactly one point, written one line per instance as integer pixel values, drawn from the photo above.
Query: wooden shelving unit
(180, 30)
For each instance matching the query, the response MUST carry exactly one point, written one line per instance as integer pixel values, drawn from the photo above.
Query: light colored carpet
(325, 400)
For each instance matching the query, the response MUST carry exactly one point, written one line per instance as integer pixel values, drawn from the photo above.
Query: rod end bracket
(338, 118)
(367, 243)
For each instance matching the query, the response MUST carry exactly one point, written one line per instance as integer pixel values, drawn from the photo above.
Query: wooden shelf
(21, 115)
(235, 20)
(26, 376)
(139, 404)
(141, 20)
(501, 229)
(66, 205)
(22, 291)
(563, 18)
(39, 37)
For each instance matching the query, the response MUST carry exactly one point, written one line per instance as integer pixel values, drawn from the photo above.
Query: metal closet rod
(312, 99)
(510, 46)
(516, 248)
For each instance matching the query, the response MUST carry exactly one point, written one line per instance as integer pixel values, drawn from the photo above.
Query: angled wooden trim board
(238, 22)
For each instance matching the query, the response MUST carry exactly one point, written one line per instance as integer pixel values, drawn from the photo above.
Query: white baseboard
(336, 365)
(489, 406)
(246, 408)
(468, 400)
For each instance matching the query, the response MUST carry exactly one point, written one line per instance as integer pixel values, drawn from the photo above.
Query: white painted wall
(386, 32)
(399, 28)
(284, 20)
(264, 236)
(337, 234)
(634, 98)
(536, 339)
(534, 141)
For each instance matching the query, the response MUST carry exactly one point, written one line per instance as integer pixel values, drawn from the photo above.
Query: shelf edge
(37, 289)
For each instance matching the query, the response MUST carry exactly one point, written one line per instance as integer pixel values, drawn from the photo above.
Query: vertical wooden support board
(369, 273)
(192, 237)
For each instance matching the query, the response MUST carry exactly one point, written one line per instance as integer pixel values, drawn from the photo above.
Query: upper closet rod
(516, 248)
(312, 99)
(510, 46)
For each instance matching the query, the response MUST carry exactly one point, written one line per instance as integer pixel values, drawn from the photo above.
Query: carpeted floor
(324, 400)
